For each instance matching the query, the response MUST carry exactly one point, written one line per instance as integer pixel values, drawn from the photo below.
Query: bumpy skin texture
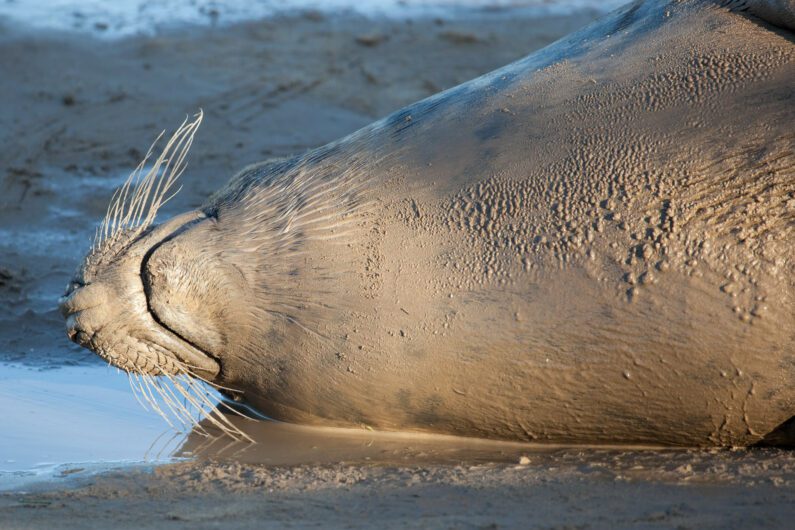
(591, 245)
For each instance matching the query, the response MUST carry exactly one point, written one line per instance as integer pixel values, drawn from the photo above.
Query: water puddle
(73, 419)
(282, 444)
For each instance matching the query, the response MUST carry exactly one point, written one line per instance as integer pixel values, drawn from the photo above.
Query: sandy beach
(79, 111)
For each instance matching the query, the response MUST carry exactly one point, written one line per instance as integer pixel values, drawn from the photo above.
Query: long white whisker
(156, 406)
(182, 415)
(199, 389)
(134, 205)
(135, 392)
(210, 415)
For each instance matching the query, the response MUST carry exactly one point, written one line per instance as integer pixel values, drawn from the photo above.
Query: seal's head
(107, 310)
(107, 306)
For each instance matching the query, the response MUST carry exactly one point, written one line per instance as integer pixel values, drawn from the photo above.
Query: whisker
(181, 414)
(220, 402)
(135, 392)
(220, 422)
(154, 403)
(134, 205)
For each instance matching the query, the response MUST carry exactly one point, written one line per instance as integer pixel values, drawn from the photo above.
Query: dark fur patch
(404, 119)
(628, 17)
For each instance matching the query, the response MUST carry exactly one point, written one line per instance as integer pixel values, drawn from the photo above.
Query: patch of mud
(46, 223)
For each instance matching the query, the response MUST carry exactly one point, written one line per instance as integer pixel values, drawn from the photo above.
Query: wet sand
(557, 489)
(77, 115)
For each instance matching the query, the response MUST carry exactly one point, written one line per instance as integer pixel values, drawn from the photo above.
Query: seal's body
(594, 244)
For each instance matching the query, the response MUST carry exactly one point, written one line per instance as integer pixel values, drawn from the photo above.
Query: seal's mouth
(115, 323)
(149, 354)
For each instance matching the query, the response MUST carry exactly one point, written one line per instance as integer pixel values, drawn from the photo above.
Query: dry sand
(77, 114)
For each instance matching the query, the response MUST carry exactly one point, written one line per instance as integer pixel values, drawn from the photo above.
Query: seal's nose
(76, 332)
(84, 306)
(66, 303)
(63, 306)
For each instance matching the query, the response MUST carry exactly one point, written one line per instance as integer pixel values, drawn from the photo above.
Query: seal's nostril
(82, 338)
(63, 304)
(71, 322)
(78, 296)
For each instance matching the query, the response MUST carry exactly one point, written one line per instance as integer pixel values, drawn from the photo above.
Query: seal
(593, 244)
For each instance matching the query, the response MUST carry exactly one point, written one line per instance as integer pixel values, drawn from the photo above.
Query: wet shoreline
(136, 18)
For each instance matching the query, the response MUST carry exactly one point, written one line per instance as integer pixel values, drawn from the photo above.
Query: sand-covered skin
(589, 245)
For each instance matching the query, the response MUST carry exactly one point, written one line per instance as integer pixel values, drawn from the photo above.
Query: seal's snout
(77, 297)
(75, 304)
(64, 302)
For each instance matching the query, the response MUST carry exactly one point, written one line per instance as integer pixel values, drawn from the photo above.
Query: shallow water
(69, 422)
(72, 420)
